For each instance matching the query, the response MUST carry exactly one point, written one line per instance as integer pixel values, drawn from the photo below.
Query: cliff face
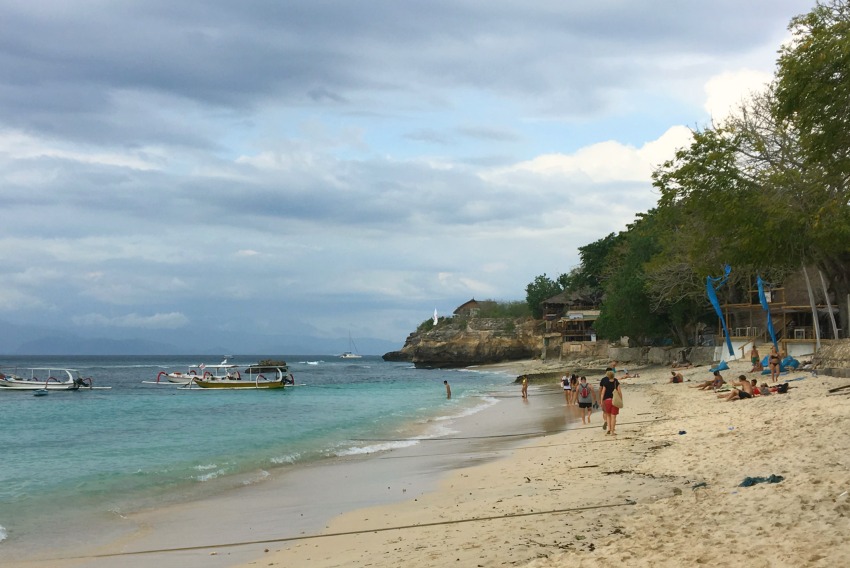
(476, 341)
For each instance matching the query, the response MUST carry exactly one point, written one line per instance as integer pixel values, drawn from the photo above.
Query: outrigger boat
(221, 371)
(70, 380)
(235, 380)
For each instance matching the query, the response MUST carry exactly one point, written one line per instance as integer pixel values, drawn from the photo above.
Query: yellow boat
(234, 380)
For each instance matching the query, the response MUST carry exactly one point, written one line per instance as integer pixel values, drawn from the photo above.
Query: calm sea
(75, 457)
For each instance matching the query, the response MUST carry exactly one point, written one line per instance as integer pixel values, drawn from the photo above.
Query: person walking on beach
(586, 399)
(606, 392)
(448, 389)
(573, 389)
(568, 393)
(525, 386)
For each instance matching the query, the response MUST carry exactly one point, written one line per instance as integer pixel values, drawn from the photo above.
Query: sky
(224, 171)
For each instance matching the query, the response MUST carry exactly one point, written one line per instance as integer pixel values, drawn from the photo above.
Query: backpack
(584, 390)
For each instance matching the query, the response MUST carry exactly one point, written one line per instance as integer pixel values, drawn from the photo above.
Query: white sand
(650, 497)
(531, 508)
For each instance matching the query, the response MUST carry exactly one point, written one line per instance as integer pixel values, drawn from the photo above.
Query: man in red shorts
(609, 412)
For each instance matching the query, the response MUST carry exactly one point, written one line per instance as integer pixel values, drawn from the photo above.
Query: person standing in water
(568, 391)
(448, 389)
(525, 386)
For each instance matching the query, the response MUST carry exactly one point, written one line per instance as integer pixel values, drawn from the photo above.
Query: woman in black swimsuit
(773, 362)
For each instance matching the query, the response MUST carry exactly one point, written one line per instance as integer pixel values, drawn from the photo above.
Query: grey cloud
(239, 56)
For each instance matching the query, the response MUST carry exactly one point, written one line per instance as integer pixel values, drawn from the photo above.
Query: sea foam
(359, 450)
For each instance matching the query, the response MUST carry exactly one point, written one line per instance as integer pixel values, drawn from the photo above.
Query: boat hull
(15, 385)
(233, 384)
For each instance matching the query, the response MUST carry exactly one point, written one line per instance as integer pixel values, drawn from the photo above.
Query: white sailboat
(352, 350)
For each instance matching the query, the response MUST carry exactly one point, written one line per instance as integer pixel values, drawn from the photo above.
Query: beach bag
(617, 399)
(584, 390)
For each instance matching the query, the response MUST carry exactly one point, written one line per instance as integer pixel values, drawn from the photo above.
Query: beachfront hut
(568, 320)
(468, 309)
(794, 325)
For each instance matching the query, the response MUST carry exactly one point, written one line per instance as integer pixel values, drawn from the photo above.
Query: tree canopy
(767, 191)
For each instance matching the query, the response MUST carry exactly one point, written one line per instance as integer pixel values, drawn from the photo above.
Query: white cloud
(19, 146)
(605, 162)
(172, 320)
(726, 92)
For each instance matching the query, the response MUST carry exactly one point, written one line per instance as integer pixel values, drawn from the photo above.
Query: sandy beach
(524, 483)
(666, 492)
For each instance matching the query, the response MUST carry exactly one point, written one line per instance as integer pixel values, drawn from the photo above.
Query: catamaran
(352, 350)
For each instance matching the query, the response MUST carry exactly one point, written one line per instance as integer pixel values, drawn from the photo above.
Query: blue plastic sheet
(711, 287)
(763, 300)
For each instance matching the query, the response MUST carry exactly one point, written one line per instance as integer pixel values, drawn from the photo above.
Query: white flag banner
(435, 316)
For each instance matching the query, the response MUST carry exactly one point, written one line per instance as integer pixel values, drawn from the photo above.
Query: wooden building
(568, 320)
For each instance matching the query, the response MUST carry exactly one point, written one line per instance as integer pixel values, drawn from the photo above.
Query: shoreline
(666, 492)
(301, 500)
(521, 484)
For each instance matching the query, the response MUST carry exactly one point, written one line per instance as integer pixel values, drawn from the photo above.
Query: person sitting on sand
(765, 389)
(676, 377)
(743, 389)
(756, 360)
(713, 384)
(755, 384)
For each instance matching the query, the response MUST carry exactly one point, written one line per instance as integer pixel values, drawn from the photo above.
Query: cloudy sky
(314, 167)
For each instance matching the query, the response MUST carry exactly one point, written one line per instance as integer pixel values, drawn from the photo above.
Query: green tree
(626, 309)
(588, 278)
(813, 95)
(813, 83)
(542, 288)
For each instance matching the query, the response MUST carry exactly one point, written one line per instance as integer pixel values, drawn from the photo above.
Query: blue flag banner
(711, 287)
(763, 300)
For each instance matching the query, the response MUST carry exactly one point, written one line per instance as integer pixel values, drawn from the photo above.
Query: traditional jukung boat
(43, 378)
(220, 371)
(235, 380)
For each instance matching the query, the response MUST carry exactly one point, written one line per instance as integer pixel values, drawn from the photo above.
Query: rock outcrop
(476, 341)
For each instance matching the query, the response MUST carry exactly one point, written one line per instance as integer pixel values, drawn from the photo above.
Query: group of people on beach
(741, 388)
(774, 362)
(578, 391)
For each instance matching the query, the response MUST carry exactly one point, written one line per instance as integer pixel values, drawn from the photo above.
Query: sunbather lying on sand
(713, 384)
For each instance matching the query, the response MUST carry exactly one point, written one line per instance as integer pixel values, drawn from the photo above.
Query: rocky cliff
(477, 341)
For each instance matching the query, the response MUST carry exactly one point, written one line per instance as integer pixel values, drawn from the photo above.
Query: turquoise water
(73, 457)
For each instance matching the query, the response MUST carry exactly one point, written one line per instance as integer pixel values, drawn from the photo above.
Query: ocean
(74, 459)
